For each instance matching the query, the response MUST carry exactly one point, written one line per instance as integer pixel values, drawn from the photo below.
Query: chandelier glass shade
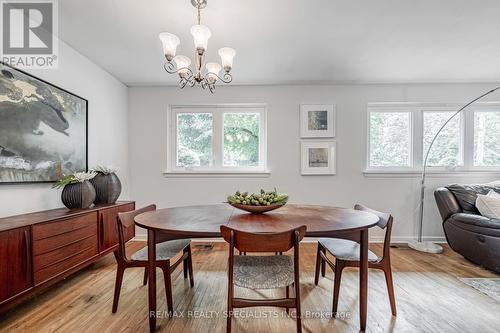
(204, 75)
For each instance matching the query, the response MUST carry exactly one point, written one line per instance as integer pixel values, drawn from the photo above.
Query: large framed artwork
(318, 157)
(317, 121)
(43, 129)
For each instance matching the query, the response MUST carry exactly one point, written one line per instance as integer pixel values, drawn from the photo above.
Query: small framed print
(318, 157)
(317, 121)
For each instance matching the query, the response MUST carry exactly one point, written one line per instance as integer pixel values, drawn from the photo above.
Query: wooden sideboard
(42, 248)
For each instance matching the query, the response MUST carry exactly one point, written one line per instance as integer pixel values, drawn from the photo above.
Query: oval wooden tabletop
(205, 221)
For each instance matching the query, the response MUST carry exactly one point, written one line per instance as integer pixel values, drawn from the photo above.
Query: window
(447, 148)
(217, 139)
(390, 139)
(194, 139)
(487, 138)
(400, 134)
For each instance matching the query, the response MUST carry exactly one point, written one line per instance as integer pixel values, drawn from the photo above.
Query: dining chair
(164, 252)
(263, 271)
(346, 254)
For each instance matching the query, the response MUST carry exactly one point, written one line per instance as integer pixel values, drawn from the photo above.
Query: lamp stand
(419, 244)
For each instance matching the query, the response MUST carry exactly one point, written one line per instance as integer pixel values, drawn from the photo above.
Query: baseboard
(373, 239)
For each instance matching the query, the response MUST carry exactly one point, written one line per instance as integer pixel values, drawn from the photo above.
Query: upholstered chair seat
(164, 251)
(344, 249)
(263, 272)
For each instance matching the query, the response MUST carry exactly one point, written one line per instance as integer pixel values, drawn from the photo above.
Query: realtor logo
(29, 33)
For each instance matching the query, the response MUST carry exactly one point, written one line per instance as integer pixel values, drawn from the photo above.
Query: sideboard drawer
(52, 229)
(48, 244)
(59, 267)
(61, 245)
(61, 254)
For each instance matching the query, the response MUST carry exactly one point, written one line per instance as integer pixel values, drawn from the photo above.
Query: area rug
(490, 287)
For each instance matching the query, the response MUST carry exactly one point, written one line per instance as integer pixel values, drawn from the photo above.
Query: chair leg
(118, 287)
(323, 263)
(190, 266)
(390, 289)
(318, 263)
(168, 287)
(287, 293)
(297, 307)
(229, 309)
(145, 280)
(185, 263)
(339, 266)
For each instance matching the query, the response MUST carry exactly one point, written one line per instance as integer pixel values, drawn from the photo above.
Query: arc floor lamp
(419, 244)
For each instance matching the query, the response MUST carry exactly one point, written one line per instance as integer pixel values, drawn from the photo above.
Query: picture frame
(318, 157)
(317, 120)
(43, 129)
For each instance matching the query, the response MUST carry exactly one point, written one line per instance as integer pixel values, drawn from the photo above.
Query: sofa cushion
(489, 204)
(466, 195)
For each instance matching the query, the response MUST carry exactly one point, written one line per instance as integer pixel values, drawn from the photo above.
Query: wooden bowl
(258, 209)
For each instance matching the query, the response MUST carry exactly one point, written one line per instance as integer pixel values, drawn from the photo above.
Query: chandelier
(181, 65)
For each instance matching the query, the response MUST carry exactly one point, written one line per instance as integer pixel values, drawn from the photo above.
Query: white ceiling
(296, 41)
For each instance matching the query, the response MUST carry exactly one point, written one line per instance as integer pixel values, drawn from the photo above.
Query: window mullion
(468, 141)
(418, 138)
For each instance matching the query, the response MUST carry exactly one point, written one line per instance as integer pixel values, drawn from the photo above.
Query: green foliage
(389, 139)
(195, 134)
(241, 139)
(487, 138)
(65, 180)
(194, 139)
(446, 149)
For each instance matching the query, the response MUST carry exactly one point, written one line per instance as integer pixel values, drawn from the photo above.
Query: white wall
(147, 127)
(108, 124)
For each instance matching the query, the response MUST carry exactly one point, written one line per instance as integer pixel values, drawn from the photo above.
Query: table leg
(363, 279)
(152, 279)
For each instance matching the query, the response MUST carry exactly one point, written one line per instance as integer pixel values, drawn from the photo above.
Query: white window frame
(416, 122)
(217, 167)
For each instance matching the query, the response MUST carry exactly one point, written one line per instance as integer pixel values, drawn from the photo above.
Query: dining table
(204, 221)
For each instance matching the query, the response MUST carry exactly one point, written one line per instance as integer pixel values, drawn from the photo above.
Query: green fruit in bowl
(261, 198)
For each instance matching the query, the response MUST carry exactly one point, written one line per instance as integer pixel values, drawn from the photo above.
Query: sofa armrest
(446, 202)
(476, 220)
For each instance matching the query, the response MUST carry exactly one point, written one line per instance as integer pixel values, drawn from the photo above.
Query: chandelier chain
(199, 14)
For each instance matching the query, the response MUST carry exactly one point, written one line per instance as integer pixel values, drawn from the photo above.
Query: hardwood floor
(429, 298)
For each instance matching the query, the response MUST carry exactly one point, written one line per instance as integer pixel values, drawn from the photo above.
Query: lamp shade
(170, 43)
(226, 56)
(212, 68)
(201, 34)
(182, 63)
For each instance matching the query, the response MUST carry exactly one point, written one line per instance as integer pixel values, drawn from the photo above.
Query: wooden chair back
(126, 220)
(385, 222)
(263, 242)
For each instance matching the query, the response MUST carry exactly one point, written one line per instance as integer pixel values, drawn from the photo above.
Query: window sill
(441, 173)
(217, 174)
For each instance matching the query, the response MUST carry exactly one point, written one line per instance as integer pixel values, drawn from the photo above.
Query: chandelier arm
(226, 78)
(192, 81)
(211, 87)
(182, 83)
(171, 69)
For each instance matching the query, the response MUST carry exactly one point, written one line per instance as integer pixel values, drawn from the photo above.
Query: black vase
(107, 188)
(79, 195)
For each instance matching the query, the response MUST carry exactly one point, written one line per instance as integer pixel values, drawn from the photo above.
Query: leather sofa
(475, 237)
